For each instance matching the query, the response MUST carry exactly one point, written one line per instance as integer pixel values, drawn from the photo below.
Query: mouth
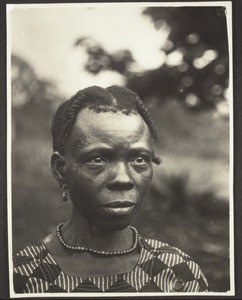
(119, 207)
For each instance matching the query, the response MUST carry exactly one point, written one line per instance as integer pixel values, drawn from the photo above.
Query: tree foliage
(27, 87)
(198, 34)
(32, 99)
(99, 59)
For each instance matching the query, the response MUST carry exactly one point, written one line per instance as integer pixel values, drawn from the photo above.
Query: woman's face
(108, 166)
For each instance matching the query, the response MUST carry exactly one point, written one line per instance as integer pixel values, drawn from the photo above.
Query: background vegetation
(188, 205)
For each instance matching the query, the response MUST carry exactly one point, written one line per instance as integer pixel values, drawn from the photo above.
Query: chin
(114, 224)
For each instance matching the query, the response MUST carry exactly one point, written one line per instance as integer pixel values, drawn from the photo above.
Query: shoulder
(28, 255)
(32, 267)
(160, 247)
(183, 272)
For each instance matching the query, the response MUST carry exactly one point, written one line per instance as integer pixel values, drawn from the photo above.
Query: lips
(116, 204)
(119, 207)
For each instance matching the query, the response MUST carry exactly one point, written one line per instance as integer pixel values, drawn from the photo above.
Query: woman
(103, 154)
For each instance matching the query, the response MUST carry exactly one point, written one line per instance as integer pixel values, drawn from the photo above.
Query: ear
(58, 168)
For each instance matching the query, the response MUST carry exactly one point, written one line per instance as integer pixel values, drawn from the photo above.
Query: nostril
(120, 178)
(120, 186)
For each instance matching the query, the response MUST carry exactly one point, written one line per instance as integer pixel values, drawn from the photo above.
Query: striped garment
(160, 268)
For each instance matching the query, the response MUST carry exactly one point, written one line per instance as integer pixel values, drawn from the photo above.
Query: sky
(44, 36)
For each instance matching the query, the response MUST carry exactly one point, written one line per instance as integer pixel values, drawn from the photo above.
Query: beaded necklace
(98, 252)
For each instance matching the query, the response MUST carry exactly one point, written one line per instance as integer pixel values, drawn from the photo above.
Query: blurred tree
(33, 99)
(24, 82)
(99, 59)
(26, 86)
(198, 35)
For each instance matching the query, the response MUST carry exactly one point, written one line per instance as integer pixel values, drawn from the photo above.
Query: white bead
(136, 239)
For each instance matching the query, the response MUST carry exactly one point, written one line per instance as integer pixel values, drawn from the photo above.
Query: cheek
(83, 183)
(144, 181)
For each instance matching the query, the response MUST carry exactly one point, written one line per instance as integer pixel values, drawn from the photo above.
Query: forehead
(109, 127)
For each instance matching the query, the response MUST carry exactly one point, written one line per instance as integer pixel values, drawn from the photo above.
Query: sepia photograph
(120, 149)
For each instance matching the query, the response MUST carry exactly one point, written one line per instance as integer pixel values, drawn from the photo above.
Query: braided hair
(112, 99)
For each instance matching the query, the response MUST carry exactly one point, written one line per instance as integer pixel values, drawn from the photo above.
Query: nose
(121, 179)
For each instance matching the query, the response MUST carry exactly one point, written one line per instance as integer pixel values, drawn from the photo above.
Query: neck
(80, 232)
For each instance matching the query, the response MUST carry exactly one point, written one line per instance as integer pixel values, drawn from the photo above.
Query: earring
(65, 198)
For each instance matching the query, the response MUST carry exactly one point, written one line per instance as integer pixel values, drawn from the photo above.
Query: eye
(96, 161)
(140, 160)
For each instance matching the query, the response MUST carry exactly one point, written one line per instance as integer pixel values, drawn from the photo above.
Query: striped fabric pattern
(160, 268)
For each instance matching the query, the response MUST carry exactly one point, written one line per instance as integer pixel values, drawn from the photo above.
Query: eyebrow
(110, 149)
(157, 160)
(103, 146)
(91, 148)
